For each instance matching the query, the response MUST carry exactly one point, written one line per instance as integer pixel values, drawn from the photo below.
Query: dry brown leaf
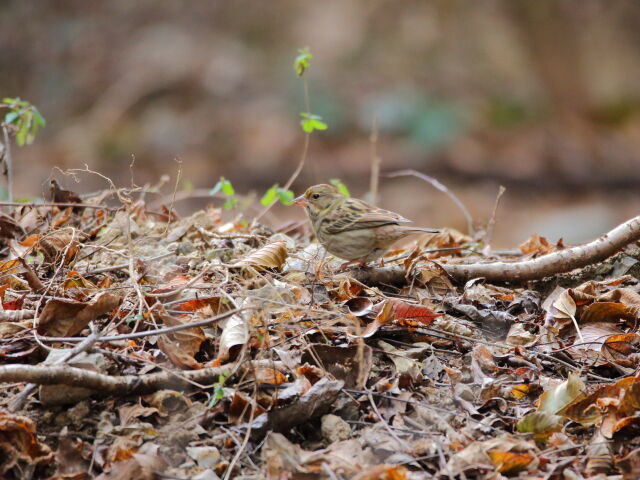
(266, 375)
(8, 270)
(383, 472)
(54, 244)
(447, 238)
(626, 296)
(594, 335)
(19, 444)
(510, 463)
(272, 255)
(31, 240)
(235, 333)
(141, 465)
(181, 346)
(75, 280)
(537, 245)
(168, 402)
(431, 275)
(66, 318)
(9, 228)
(601, 311)
(349, 364)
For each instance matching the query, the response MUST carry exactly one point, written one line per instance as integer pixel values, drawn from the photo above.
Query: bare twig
(442, 188)
(385, 424)
(120, 266)
(180, 288)
(175, 190)
(375, 161)
(8, 161)
(49, 204)
(303, 158)
(147, 333)
(245, 440)
(492, 221)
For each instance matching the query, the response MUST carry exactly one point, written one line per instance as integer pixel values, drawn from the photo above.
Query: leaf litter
(192, 348)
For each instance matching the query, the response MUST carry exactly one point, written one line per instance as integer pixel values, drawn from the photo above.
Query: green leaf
(26, 117)
(336, 182)
(270, 195)
(23, 131)
(230, 203)
(227, 188)
(10, 117)
(311, 122)
(216, 188)
(285, 196)
(37, 118)
(302, 61)
(131, 319)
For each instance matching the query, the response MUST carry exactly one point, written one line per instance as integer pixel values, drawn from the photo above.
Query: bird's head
(318, 198)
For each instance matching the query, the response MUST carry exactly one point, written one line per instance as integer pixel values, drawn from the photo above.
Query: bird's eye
(315, 196)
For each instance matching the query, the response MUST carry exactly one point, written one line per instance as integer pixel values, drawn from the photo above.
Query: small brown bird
(350, 228)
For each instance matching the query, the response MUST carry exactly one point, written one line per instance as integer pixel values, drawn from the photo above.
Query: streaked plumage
(350, 228)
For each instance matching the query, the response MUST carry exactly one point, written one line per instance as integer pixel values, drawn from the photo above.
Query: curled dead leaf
(272, 255)
(56, 243)
(359, 306)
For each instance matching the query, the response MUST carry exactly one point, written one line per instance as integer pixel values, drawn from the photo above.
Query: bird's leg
(352, 263)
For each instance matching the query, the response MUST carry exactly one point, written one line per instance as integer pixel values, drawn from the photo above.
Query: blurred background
(540, 96)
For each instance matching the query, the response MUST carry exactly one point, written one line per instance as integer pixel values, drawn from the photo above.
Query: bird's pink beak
(301, 201)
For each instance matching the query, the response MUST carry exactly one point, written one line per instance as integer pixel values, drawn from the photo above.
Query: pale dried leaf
(272, 255)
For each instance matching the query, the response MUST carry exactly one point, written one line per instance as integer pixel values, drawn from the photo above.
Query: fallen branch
(107, 384)
(126, 384)
(16, 315)
(554, 263)
(17, 403)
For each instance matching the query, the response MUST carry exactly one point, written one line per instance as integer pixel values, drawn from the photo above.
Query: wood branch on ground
(562, 261)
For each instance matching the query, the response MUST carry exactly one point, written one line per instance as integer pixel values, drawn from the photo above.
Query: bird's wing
(354, 214)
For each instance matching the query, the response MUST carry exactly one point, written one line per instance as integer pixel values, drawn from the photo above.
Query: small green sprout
(218, 391)
(336, 182)
(302, 61)
(227, 190)
(311, 122)
(277, 193)
(24, 118)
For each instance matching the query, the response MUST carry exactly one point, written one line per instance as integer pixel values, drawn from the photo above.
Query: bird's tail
(411, 230)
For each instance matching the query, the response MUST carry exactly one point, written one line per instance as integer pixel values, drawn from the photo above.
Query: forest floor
(137, 344)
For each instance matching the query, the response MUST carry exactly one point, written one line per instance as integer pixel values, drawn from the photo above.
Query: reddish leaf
(14, 304)
(418, 313)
